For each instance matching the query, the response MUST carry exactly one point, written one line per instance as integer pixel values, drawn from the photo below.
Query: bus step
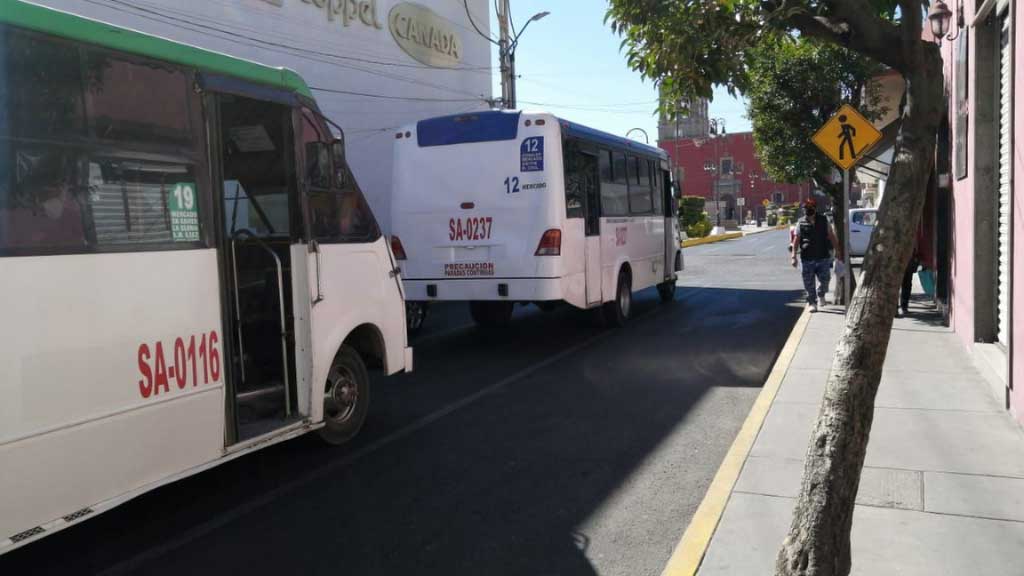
(260, 392)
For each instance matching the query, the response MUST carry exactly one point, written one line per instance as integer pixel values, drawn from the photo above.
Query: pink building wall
(962, 243)
(1017, 344)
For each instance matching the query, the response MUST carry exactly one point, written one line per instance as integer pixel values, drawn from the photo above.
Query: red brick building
(739, 174)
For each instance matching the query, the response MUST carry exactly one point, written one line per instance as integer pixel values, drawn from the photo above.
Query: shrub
(699, 229)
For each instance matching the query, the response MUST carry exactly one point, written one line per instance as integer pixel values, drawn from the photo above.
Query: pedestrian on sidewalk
(908, 274)
(816, 242)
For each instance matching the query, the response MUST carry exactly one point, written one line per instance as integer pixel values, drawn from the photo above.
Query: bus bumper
(510, 289)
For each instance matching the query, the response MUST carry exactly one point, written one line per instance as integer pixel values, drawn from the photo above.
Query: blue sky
(570, 64)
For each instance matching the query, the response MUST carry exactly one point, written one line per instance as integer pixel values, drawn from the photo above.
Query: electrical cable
(283, 45)
(390, 97)
(477, 28)
(263, 45)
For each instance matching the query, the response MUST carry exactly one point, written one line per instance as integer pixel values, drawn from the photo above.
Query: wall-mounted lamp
(939, 16)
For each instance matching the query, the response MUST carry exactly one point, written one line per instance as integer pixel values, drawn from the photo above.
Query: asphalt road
(558, 447)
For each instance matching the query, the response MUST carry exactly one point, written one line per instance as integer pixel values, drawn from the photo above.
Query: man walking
(812, 239)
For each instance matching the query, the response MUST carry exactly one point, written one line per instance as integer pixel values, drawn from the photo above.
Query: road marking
(134, 563)
(689, 552)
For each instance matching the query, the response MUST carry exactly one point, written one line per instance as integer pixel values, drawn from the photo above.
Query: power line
(263, 45)
(283, 45)
(390, 97)
(475, 27)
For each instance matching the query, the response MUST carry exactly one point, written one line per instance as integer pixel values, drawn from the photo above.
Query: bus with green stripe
(188, 270)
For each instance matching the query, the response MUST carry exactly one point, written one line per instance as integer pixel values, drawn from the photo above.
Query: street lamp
(939, 16)
(510, 53)
(642, 131)
(506, 47)
(717, 129)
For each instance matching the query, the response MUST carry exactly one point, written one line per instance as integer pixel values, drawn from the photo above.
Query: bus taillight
(397, 249)
(550, 243)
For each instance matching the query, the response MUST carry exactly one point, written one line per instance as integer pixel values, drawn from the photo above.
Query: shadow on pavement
(505, 484)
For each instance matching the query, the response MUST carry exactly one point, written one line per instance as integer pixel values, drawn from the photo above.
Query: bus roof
(66, 25)
(493, 125)
(592, 134)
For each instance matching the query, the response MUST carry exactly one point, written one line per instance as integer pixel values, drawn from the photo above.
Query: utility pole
(508, 79)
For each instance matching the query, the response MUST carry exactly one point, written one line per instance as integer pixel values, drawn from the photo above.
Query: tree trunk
(819, 538)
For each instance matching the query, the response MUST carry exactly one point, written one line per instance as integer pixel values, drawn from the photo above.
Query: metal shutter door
(1005, 192)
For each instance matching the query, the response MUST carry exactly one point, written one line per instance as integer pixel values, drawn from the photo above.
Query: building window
(725, 166)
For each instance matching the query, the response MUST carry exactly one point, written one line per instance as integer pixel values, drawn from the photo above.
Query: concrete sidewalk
(942, 491)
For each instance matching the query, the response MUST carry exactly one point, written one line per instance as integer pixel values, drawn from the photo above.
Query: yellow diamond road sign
(846, 136)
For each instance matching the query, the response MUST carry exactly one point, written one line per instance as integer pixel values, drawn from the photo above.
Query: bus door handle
(314, 246)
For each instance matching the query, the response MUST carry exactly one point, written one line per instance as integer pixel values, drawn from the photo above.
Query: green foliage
(691, 209)
(690, 46)
(699, 229)
(693, 218)
(795, 86)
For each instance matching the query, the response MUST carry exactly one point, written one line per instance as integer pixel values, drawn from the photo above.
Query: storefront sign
(362, 11)
(425, 36)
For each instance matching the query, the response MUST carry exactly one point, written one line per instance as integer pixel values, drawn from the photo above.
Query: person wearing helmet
(815, 241)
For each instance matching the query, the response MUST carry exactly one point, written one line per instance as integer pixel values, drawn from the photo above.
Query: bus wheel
(346, 397)
(667, 290)
(617, 311)
(491, 314)
(415, 316)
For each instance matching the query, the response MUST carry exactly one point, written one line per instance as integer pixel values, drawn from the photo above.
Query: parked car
(862, 224)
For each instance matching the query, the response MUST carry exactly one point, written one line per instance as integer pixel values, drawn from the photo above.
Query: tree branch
(854, 25)
(910, 13)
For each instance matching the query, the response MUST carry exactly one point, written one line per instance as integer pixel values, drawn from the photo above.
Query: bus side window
(640, 187)
(614, 189)
(131, 101)
(655, 177)
(338, 210)
(316, 146)
(43, 94)
(575, 181)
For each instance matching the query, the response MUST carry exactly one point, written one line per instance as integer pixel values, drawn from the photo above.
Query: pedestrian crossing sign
(846, 136)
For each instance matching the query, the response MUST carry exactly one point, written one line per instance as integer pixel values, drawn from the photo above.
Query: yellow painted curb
(711, 239)
(690, 550)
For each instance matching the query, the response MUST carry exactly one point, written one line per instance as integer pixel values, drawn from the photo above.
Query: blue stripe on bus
(488, 126)
(573, 129)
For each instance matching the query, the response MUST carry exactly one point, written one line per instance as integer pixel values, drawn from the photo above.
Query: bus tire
(617, 311)
(490, 314)
(346, 397)
(667, 291)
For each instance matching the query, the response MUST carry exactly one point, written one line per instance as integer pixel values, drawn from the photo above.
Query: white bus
(188, 271)
(496, 208)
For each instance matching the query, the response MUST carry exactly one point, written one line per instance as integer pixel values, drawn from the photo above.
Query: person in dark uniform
(815, 241)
